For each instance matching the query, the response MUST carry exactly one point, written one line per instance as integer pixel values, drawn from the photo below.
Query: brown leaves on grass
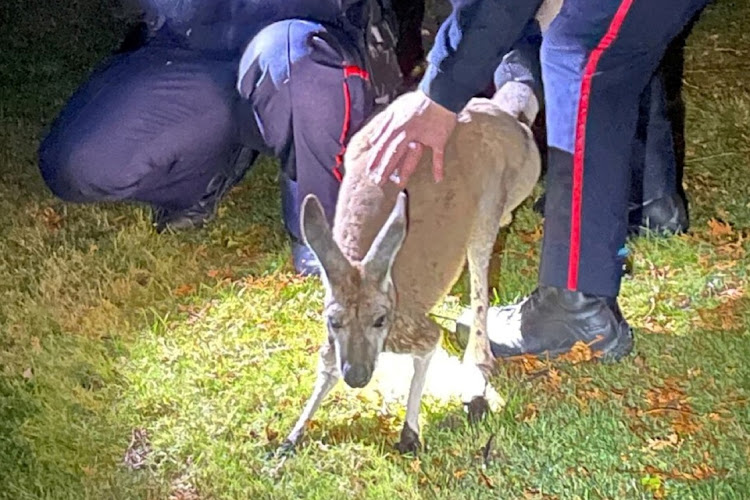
(554, 378)
(669, 402)
(535, 367)
(184, 290)
(658, 325)
(275, 282)
(271, 434)
(533, 236)
(51, 219)
(718, 229)
(727, 316)
(485, 480)
(661, 443)
(728, 242)
(537, 494)
(580, 353)
(225, 274)
(694, 472)
(528, 414)
(591, 393)
(669, 396)
(459, 473)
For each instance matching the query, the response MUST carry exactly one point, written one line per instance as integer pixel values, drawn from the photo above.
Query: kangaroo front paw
(409, 442)
(477, 409)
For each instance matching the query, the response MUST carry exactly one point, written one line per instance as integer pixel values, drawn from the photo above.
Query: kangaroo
(386, 263)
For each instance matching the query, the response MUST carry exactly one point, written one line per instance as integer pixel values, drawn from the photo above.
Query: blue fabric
(293, 72)
(654, 159)
(470, 45)
(228, 25)
(522, 64)
(623, 72)
(157, 124)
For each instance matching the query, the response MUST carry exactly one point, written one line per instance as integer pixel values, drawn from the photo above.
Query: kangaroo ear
(318, 236)
(379, 259)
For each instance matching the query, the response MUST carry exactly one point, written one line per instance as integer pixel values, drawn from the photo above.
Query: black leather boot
(667, 214)
(205, 209)
(550, 321)
(305, 262)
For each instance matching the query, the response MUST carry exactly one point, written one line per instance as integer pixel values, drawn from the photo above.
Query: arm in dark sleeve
(470, 45)
(522, 63)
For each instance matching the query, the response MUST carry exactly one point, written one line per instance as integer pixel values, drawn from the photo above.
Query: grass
(206, 341)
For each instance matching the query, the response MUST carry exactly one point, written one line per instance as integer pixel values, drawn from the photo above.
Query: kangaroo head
(360, 299)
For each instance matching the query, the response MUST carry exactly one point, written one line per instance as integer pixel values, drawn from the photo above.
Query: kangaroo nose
(356, 376)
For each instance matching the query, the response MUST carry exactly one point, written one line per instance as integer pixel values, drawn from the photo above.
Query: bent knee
(281, 45)
(80, 170)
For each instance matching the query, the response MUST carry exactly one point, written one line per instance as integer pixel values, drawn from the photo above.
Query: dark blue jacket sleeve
(470, 45)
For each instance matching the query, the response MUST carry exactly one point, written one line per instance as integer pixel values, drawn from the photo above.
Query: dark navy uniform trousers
(155, 125)
(658, 157)
(598, 59)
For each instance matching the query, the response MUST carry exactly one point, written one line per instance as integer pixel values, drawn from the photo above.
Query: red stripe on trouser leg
(348, 72)
(579, 147)
(356, 71)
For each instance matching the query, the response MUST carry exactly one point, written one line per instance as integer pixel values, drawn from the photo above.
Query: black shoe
(667, 214)
(179, 220)
(550, 321)
(205, 209)
(305, 262)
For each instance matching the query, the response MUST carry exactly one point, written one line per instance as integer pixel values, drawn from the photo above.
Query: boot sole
(612, 351)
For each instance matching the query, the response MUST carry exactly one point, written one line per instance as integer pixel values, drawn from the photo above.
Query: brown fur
(491, 166)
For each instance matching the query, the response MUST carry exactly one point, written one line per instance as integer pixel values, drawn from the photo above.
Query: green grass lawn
(196, 351)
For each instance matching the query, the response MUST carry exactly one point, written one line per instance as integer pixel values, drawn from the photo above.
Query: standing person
(597, 58)
(657, 198)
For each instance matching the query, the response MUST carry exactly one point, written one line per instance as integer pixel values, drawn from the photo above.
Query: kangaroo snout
(355, 375)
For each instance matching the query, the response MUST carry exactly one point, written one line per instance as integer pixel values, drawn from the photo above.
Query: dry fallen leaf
(727, 316)
(530, 364)
(719, 228)
(529, 413)
(220, 274)
(580, 352)
(485, 480)
(271, 434)
(536, 494)
(591, 393)
(554, 378)
(703, 471)
(533, 236)
(51, 219)
(458, 474)
(660, 443)
(685, 424)
(184, 289)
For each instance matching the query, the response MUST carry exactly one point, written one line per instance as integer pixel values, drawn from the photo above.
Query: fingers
(410, 162)
(390, 153)
(437, 164)
(377, 144)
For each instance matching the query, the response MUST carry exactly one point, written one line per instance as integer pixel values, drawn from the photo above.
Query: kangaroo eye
(380, 322)
(334, 323)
